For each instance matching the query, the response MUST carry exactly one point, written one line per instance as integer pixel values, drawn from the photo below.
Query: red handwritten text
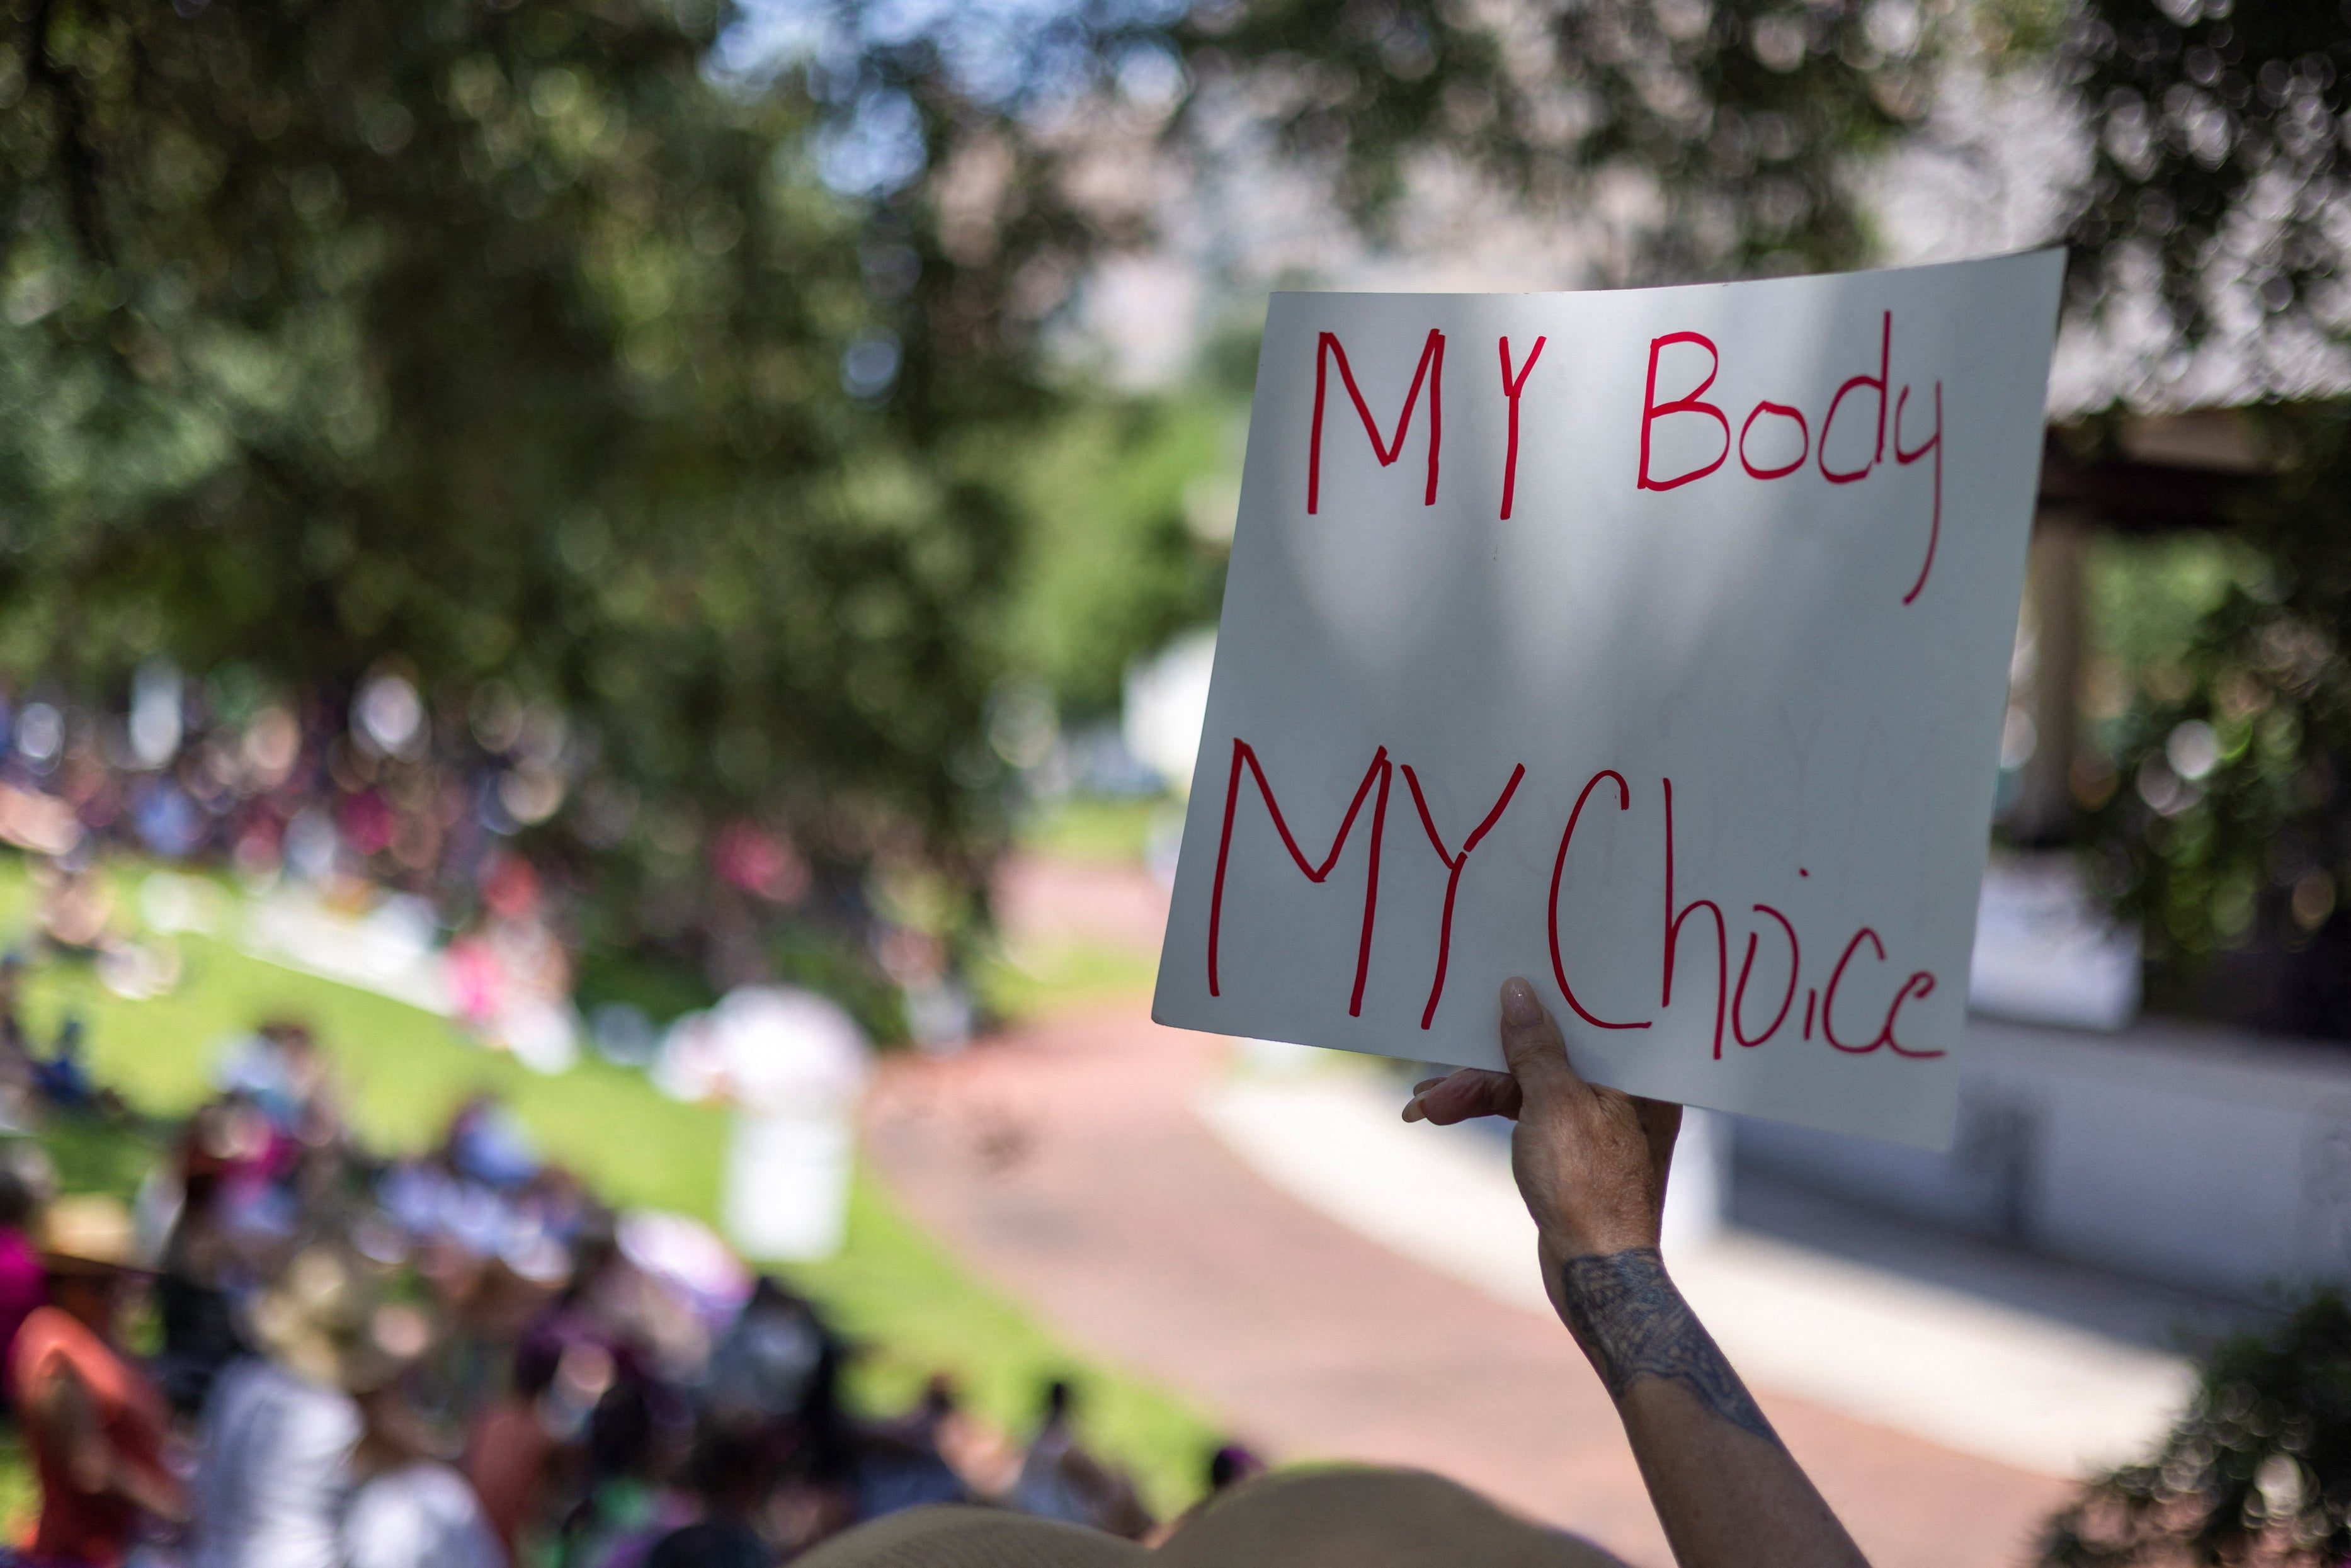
(1849, 470)
(1431, 370)
(1453, 865)
(1511, 387)
(1825, 1006)
(1379, 773)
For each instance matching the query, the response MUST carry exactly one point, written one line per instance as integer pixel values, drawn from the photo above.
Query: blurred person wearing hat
(95, 1424)
(409, 1507)
(275, 1444)
(1322, 1517)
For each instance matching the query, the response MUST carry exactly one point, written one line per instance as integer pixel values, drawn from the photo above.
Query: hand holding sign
(1678, 631)
(1589, 1161)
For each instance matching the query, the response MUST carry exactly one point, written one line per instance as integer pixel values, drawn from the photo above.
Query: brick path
(1065, 1165)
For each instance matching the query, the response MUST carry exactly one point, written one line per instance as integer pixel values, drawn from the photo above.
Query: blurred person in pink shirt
(22, 1288)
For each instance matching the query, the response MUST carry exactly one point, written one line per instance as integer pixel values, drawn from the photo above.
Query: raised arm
(1591, 1163)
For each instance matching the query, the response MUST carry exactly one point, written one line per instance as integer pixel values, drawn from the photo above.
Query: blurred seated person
(1228, 1467)
(12, 999)
(983, 1458)
(201, 1334)
(1059, 1480)
(906, 1463)
(764, 1365)
(610, 1299)
(729, 1477)
(23, 1283)
(280, 1068)
(95, 1424)
(1232, 1465)
(60, 1079)
(275, 1445)
(77, 904)
(15, 1046)
(487, 1144)
(409, 1507)
(625, 1507)
(510, 1451)
(1591, 1163)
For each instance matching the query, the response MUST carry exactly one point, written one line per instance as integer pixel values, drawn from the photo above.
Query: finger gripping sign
(1651, 645)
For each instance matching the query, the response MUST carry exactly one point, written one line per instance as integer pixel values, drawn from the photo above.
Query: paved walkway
(1066, 1166)
(1950, 1363)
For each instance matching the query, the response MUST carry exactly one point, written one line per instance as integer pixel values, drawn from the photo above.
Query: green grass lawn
(404, 1071)
(1034, 981)
(1092, 828)
(1038, 982)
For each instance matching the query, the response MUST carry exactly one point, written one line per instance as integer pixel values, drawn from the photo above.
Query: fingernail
(1519, 1004)
(1412, 1111)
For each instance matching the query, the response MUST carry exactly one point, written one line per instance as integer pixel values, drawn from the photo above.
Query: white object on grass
(794, 1064)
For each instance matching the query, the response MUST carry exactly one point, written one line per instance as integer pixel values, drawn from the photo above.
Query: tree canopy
(2217, 173)
(603, 352)
(684, 365)
(2215, 193)
(513, 340)
(1740, 122)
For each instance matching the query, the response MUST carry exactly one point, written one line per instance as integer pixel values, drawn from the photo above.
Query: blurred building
(2213, 1155)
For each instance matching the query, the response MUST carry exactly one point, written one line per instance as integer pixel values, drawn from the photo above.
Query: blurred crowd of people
(217, 768)
(288, 1352)
(372, 806)
(464, 826)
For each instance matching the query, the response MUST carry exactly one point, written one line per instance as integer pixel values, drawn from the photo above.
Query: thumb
(1531, 1044)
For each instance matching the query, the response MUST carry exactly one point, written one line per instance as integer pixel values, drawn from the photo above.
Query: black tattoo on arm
(1636, 1324)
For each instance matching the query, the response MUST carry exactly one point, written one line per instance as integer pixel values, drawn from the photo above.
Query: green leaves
(2229, 826)
(510, 342)
(2216, 167)
(2258, 1471)
(1740, 116)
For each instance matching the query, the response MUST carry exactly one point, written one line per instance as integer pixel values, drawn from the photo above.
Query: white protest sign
(1650, 644)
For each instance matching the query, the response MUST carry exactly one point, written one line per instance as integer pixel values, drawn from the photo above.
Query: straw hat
(321, 1320)
(1299, 1518)
(87, 1234)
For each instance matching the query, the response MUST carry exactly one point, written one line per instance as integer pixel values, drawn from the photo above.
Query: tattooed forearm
(1636, 1324)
